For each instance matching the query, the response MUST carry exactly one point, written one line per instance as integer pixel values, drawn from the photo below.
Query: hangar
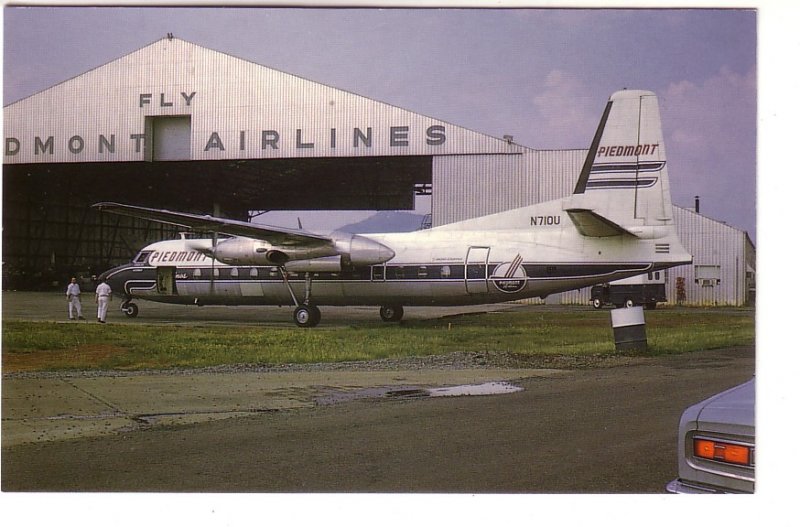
(180, 126)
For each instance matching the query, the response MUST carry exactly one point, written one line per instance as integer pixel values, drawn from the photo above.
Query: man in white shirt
(102, 297)
(74, 299)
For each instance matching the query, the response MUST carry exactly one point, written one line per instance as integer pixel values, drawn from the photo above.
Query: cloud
(716, 115)
(566, 112)
(710, 135)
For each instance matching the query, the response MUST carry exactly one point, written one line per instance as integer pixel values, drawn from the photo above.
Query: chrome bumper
(679, 486)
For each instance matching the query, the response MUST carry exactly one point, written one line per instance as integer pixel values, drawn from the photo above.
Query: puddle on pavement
(416, 392)
(487, 388)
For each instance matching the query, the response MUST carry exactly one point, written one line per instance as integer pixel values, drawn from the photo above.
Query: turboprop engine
(343, 250)
(357, 250)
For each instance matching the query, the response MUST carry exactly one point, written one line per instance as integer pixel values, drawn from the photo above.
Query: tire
(306, 316)
(597, 303)
(629, 303)
(392, 313)
(315, 313)
(130, 309)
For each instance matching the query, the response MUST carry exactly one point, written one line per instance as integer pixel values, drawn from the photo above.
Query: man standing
(102, 297)
(74, 299)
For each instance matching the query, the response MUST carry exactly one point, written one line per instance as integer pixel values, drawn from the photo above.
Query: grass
(44, 346)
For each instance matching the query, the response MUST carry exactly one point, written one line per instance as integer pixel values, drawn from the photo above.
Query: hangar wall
(723, 271)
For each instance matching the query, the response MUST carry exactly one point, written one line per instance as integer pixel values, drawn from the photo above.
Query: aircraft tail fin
(623, 185)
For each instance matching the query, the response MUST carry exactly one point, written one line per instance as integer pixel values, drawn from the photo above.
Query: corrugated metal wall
(717, 247)
(471, 186)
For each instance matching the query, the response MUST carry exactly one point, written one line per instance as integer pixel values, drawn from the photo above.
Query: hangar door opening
(169, 138)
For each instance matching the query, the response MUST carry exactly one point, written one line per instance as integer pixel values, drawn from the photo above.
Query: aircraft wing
(277, 236)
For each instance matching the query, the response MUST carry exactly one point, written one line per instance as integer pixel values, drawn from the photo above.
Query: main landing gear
(307, 315)
(129, 308)
(391, 313)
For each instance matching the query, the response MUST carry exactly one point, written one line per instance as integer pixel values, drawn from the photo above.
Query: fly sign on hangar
(174, 100)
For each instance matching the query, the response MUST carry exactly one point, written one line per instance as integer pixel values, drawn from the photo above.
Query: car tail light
(716, 450)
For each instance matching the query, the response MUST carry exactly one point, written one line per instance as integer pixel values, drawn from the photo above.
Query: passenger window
(197, 273)
(253, 272)
(234, 272)
(445, 271)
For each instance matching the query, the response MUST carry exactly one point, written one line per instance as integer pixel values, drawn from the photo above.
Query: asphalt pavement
(601, 430)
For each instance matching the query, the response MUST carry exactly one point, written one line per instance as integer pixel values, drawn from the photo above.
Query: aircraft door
(476, 270)
(165, 281)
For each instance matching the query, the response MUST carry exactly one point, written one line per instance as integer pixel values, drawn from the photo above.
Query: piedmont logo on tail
(617, 223)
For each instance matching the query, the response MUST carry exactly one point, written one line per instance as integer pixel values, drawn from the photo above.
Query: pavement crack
(97, 398)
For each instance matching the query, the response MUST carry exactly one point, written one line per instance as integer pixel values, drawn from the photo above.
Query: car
(716, 444)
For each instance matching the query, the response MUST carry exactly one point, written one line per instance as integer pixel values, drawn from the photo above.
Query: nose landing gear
(129, 308)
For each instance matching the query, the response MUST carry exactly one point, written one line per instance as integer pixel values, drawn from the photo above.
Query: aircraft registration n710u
(617, 223)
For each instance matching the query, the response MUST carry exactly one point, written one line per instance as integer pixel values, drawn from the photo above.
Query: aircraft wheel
(306, 316)
(391, 313)
(130, 309)
(596, 303)
(629, 303)
(650, 306)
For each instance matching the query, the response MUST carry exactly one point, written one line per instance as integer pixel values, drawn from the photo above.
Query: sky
(542, 76)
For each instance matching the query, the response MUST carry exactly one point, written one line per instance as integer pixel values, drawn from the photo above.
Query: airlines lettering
(545, 220)
(627, 150)
(267, 140)
(176, 256)
(398, 136)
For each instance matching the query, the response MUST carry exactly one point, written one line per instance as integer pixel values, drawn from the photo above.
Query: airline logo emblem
(510, 277)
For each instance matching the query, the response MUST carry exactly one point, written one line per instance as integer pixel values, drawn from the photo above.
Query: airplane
(617, 223)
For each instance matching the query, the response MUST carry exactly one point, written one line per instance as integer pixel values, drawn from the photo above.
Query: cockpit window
(142, 257)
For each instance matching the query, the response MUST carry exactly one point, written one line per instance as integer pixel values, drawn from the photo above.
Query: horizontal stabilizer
(590, 223)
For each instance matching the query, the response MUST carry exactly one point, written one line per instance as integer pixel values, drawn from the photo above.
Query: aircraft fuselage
(436, 267)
